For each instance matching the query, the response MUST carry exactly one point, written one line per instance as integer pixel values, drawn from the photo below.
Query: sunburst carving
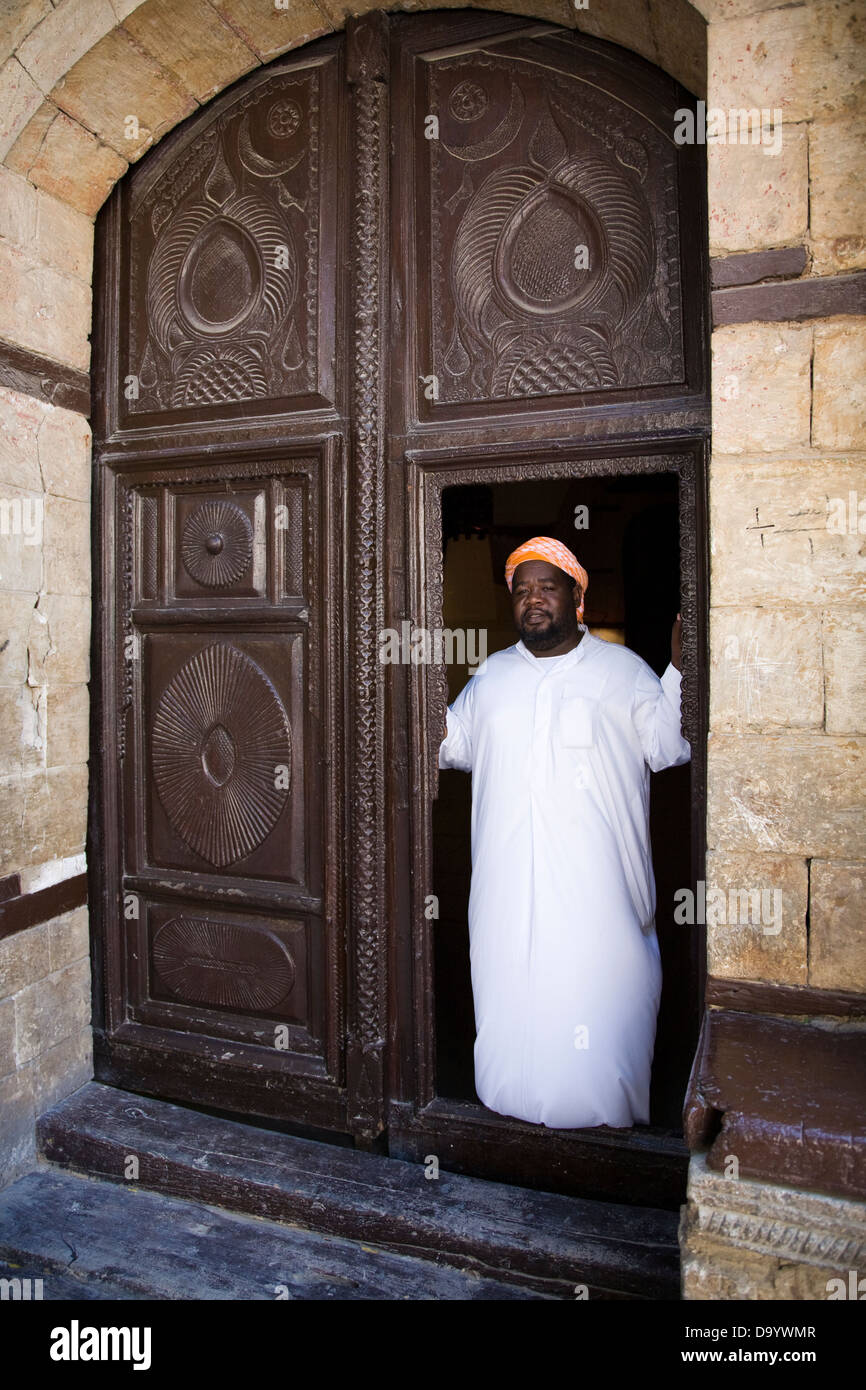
(217, 544)
(222, 964)
(222, 754)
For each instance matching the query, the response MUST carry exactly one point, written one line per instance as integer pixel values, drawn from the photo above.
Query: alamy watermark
(22, 516)
(734, 126)
(419, 646)
(739, 907)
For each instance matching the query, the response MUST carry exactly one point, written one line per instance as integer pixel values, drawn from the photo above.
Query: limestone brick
(67, 546)
(191, 41)
(116, 81)
(8, 1059)
(21, 534)
(17, 18)
(837, 195)
(122, 8)
(23, 154)
(18, 204)
(60, 1070)
(269, 31)
(22, 730)
(59, 640)
(807, 60)
(24, 958)
(64, 36)
(69, 938)
(761, 387)
(772, 535)
(67, 712)
(20, 98)
(760, 933)
(839, 389)
(794, 795)
(837, 933)
(744, 1239)
(52, 1009)
(42, 816)
(20, 419)
(844, 638)
(64, 237)
(42, 309)
(63, 444)
(680, 34)
(17, 1151)
(76, 167)
(765, 670)
(627, 22)
(16, 615)
(715, 10)
(756, 198)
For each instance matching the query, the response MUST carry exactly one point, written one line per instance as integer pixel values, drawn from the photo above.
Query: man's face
(543, 601)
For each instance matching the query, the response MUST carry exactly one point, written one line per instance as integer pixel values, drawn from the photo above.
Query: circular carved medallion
(217, 543)
(468, 101)
(222, 754)
(284, 118)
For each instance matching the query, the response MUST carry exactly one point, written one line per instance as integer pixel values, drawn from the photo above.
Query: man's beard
(542, 639)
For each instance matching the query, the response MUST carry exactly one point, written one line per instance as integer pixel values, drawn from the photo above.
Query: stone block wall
(45, 1038)
(786, 753)
(787, 792)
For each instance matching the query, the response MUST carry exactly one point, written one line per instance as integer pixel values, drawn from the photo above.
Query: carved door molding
(310, 315)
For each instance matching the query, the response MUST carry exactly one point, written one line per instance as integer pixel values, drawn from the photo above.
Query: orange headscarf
(555, 553)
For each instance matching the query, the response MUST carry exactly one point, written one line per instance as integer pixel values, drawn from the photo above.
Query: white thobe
(566, 973)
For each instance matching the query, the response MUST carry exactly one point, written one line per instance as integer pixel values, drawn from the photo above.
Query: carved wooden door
(548, 319)
(221, 445)
(431, 250)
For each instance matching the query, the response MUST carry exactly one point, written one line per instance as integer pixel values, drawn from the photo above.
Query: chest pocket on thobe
(577, 721)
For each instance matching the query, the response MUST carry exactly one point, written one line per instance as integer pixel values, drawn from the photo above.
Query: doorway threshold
(568, 1247)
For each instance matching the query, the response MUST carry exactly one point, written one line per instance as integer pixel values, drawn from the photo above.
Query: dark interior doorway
(625, 531)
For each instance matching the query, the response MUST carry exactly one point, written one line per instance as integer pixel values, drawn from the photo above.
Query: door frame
(603, 1163)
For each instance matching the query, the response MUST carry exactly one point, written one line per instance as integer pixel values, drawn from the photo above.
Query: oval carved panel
(221, 964)
(552, 222)
(220, 740)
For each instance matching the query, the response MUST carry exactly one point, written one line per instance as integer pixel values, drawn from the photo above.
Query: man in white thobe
(560, 733)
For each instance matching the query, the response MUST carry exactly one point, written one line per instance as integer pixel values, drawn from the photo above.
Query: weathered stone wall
(786, 750)
(45, 1038)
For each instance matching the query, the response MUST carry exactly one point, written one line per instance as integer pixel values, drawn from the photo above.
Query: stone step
(86, 1239)
(535, 1241)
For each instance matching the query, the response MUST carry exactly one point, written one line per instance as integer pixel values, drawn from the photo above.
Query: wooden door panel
(226, 923)
(547, 260)
(224, 757)
(242, 976)
(310, 314)
(229, 283)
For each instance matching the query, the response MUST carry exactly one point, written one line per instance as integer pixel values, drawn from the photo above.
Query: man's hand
(677, 642)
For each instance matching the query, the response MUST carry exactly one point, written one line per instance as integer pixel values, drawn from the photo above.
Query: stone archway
(786, 440)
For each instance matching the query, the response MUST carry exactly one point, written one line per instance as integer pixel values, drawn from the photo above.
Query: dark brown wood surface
(761, 997)
(752, 267)
(35, 375)
(532, 1239)
(312, 319)
(18, 911)
(782, 1098)
(818, 297)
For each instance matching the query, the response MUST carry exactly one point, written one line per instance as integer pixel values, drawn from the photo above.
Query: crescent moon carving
(499, 138)
(256, 163)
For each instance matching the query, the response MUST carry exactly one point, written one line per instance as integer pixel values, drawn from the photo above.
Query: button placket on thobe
(542, 780)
